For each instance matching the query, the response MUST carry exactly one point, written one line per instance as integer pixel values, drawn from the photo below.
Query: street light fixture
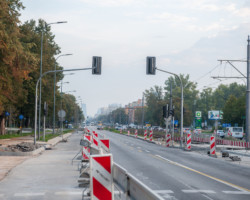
(150, 70)
(54, 106)
(61, 122)
(41, 69)
(39, 80)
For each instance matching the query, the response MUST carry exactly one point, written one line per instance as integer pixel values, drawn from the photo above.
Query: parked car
(186, 130)
(118, 127)
(236, 132)
(220, 133)
(197, 131)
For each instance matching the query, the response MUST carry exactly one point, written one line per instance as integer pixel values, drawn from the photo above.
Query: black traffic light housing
(97, 65)
(151, 65)
(164, 111)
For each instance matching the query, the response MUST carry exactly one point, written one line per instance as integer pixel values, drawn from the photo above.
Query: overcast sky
(186, 36)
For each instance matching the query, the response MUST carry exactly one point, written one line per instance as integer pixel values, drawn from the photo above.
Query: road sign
(21, 117)
(7, 114)
(61, 113)
(215, 114)
(198, 114)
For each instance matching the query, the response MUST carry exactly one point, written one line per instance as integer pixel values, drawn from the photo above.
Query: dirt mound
(22, 147)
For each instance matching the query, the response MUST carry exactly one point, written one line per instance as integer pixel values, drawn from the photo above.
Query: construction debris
(22, 147)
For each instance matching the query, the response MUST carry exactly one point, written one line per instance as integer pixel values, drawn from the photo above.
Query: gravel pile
(22, 147)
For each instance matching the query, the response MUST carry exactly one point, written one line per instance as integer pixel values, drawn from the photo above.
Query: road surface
(177, 174)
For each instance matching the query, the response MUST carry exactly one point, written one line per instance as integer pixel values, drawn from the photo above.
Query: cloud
(171, 18)
(113, 3)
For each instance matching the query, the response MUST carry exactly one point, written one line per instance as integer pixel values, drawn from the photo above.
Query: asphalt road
(172, 173)
(177, 174)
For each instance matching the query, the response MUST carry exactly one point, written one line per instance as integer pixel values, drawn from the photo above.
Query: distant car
(197, 131)
(220, 133)
(99, 127)
(118, 127)
(160, 128)
(186, 130)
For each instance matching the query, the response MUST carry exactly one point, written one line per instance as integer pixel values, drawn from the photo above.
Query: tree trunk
(2, 125)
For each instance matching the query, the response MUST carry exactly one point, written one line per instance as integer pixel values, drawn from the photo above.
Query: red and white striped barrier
(145, 134)
(188, 141)
(85, 153)
(212, 145)
(95, 139)
(101, 181)
(105, 144)
(151, 135)
(136, 133)
(86, 150)
(168, 139)
(128, 133)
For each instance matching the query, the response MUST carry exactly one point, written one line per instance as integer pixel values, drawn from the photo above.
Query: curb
(51, 142)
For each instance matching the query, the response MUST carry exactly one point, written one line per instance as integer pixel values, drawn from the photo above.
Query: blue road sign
(7, 114)
(176, 122)
(21, 117)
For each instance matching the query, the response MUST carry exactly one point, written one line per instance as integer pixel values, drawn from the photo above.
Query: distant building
(130, 110)
(107, 110)
(84, 110)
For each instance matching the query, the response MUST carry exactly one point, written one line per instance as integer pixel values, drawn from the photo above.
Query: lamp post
(61, 122)
(38, 81)
(41, 69)
(150, 70)
(54, 106)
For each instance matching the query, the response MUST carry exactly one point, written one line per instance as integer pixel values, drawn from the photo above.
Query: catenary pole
(248, 92)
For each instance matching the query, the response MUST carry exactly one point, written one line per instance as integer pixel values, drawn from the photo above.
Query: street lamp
(61, 122)
(54, 106)
(150, 70)
(41, 69)
(95, 65)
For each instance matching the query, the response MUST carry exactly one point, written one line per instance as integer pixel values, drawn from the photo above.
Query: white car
(197, 131)
(186, 130)
(220, 133)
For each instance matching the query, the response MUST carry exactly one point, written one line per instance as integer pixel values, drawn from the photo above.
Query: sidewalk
(7, 163)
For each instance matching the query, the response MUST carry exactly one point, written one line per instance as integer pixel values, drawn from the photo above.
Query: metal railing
(130, 187)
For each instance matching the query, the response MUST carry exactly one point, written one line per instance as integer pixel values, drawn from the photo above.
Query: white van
(236, 132)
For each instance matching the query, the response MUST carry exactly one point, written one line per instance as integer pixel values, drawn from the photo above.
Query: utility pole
(248, 92)
(142, 120)
(171, 108)
(248, 85)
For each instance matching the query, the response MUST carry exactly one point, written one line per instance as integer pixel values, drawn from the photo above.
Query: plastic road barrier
(101, 180)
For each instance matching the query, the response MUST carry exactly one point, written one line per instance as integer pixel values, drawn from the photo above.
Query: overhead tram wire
(207, 73)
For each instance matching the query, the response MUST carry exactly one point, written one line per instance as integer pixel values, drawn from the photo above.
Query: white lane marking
(207, 197)
(147, 151)
(29, 194)
(236, 192)
(138, 147)
(199, 191)
(164, 191)
(69, 193)
(206, 175)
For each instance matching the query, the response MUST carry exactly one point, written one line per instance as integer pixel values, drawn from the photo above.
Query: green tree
(234, 110)
(154, 104)
(190, 94)
(16, 62)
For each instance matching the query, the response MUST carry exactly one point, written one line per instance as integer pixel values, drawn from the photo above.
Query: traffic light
(45, 109)
(151, 65)
(97, 65)
(164, 111)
